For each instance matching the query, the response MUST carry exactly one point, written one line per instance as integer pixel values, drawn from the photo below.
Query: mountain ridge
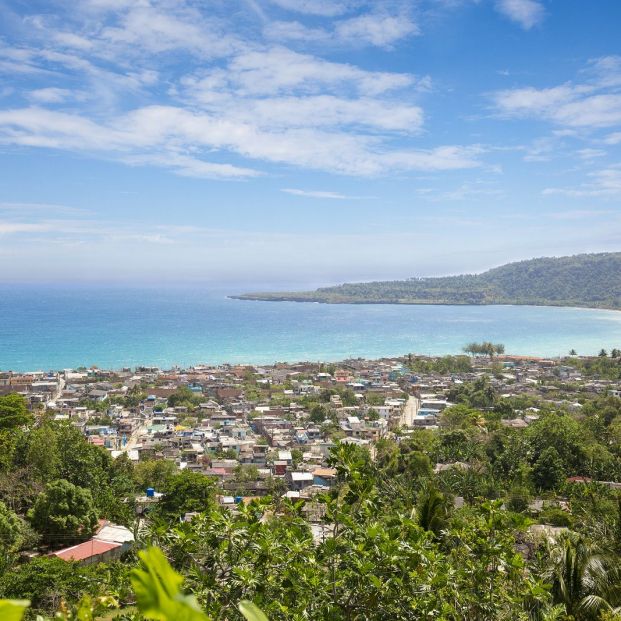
(588, 280)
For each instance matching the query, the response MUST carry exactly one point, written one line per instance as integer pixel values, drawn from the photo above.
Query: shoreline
(286, 363)
(251, 298)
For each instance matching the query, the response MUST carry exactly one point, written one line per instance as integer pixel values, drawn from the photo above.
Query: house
(300, 480)
(91, 552)
(324, 476)
(109, 543)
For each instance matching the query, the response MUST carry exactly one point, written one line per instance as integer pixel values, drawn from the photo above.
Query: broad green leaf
(251, 611)
(157, 589)
(13, 609)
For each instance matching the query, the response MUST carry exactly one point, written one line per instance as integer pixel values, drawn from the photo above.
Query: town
(261, 430)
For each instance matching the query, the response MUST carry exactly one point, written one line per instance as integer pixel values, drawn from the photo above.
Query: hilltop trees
(64, 512)
(14, 411)
(187, 491)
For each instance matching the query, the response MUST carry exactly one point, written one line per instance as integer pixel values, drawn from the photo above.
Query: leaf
(251, 611)
(157, 589)
(13, 609)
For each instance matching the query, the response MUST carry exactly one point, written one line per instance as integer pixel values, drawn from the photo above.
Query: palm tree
(583, 579)
(431, 510)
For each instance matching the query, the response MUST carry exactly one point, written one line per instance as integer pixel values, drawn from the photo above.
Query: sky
(304, 142)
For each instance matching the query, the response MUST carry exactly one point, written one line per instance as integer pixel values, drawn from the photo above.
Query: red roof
(216, 471)
(92, 547)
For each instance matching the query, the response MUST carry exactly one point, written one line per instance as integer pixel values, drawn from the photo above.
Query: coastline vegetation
(587, 280)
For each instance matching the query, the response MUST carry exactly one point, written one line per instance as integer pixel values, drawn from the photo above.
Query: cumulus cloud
(164, 134)
(320, 194)
(377, 29)
(234, 104)
(591, 103)
(526, 13)
(323, 8)
(604, 183)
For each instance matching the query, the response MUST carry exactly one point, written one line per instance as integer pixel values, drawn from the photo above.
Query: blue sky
(297, 142)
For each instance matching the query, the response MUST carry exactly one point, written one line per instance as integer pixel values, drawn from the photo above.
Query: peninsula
(589, 280)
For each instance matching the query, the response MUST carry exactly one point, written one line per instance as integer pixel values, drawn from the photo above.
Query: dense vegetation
(592, 280)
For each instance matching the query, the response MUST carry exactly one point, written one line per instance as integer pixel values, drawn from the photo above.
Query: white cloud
(278, 69)
(48, 208)
(527, 13)
(592, 104)
(614, 138)
(381, 30)
(376, 28)
(295, 31)
(163, 134)
(231, 98)
(604, 183)
(321, 194)
(12, 228)
(589, 154)
(323, 8)
(50, 95)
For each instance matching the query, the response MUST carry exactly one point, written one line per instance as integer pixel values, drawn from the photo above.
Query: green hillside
(592, 280)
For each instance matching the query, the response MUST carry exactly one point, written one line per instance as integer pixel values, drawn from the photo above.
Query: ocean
(55, 327)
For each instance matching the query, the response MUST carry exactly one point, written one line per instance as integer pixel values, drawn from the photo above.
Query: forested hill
(592, 280)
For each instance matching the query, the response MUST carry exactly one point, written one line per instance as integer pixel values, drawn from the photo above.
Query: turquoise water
(54, 328)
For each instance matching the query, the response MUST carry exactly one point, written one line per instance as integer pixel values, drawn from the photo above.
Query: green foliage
(13, 610)
(484, 349)
(431, 511)
(251, 612)
(187, 491)
(583, 578)
(155, 473)
(478, 394)
(518, 499)
(48, 581)
(442, 366)
(14, 411)
(549, 470)
(184, 396)
(157, 589)
(580, 280)
(64, 513)
(600, 367)
(11, 530)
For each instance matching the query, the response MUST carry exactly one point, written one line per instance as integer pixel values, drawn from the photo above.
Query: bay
(55, 327)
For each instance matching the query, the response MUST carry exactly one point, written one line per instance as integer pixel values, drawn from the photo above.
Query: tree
(11, 531)
(318, 413)
(48, 581)
(155, 473)
(64, 512)
(14, 411)
(431, 510)
(549, 471)
(297, 456)
(42, 453)
(187, 491)
(573, 352)
(602, 353)
(580, 576)
(518, 499)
